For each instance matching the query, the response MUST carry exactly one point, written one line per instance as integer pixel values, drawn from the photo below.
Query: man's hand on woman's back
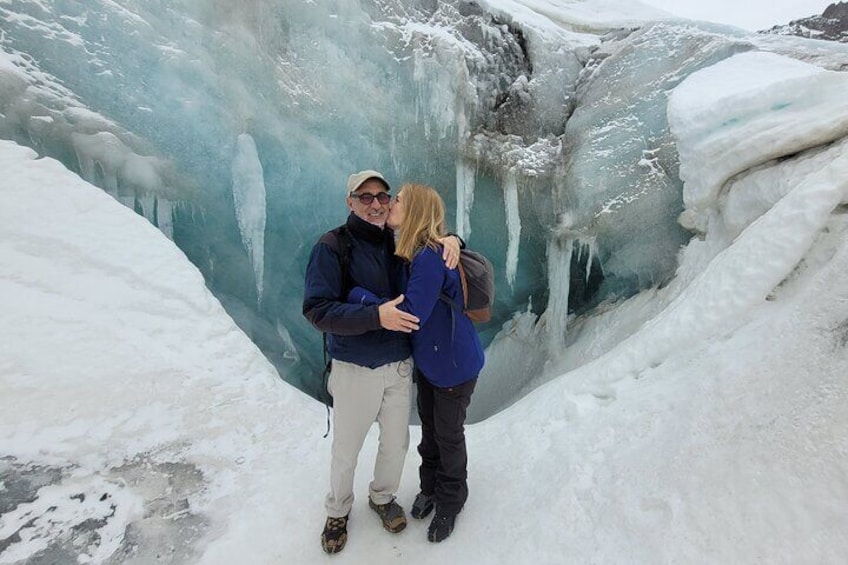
(450, 251)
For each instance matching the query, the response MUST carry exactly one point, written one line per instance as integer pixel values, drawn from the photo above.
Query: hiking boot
(423, 505)
(441, 527)
(334, 536)
(394, 520)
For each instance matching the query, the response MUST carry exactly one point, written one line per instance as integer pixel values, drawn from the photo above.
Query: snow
(73, 502)
(752, 15)
(114, 353)
(580, 15)
(119, 367)
(722, 129)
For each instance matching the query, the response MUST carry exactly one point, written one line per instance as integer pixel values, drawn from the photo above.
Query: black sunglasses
(367, 198)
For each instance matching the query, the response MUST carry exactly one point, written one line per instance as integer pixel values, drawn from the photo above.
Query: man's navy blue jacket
(353, 330)
(446, 349)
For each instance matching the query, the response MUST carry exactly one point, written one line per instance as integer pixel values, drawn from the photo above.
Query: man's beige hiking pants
(362, 396)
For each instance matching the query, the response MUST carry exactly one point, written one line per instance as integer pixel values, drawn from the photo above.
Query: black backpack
(339, 240)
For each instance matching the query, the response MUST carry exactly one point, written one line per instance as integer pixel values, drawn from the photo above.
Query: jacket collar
(364, 230)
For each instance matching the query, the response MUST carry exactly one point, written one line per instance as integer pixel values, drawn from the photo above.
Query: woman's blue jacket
(446, 348)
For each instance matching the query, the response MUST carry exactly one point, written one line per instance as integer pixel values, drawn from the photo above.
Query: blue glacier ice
(232, 128)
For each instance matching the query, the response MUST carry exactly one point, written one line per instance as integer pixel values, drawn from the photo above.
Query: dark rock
(831, 25)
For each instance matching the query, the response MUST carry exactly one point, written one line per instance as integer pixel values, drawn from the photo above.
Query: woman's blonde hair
(424, 220)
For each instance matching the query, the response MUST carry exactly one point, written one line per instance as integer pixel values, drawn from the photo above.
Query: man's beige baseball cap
(356, 180)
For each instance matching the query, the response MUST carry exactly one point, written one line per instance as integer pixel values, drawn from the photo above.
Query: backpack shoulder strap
(464, 283)
(464, 280)
(339, 240)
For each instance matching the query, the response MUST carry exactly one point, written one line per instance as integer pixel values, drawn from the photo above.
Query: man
(370, 348)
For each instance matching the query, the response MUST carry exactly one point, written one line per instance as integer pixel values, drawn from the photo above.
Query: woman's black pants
(444, 460)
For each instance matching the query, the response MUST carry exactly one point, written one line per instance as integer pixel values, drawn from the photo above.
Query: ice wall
(763, 213)
(155, 105)
(622, 188)
(616, 195)
(40, 111)
(232, 127)
(607, 190)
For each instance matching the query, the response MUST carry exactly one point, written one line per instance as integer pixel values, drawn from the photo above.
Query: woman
(447, 352)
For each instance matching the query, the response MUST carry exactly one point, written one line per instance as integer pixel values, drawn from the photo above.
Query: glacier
(664, 200)
(543, 126)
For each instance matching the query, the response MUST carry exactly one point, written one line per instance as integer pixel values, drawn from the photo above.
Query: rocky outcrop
(831, 25)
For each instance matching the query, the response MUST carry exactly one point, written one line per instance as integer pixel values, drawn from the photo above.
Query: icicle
(465, 178)
(592, 250)
(146, 203)
(513, 226)
(165, 217)
(289, 349)
(249, 200)
(559, 281)
(464, 197)
(86, 166)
